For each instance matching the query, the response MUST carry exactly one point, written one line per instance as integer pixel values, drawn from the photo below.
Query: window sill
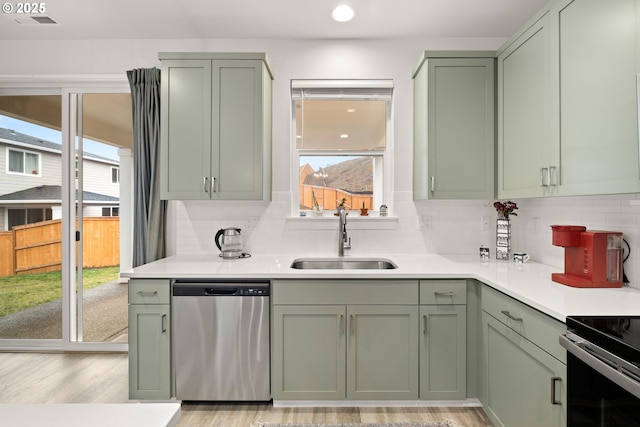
(354, 222)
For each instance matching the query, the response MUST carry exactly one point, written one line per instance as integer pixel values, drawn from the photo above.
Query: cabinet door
(523, 114)
(238, 123)
(461, 128)
(149, 352)
(598, 44)
(443, 352)
(308, 348)
(525, 386)
(454, 129)
(382, 352)
(185, 148)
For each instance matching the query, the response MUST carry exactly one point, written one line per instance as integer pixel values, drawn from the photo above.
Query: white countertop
(530, 282)
(90, 414)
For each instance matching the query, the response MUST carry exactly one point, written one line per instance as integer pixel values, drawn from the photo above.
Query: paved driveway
(105, 317)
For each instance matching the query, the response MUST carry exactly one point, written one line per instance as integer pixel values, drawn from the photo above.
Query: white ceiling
(259, 19)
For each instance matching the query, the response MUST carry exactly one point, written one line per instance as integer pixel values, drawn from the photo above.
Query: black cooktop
(618, 334)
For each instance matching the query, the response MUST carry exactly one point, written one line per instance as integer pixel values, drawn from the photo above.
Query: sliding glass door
(61, 216)
(31, 220)
(101, 298)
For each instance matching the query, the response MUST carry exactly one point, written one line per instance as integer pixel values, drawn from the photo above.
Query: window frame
(24, 153)
(117, 170)
(385, 156)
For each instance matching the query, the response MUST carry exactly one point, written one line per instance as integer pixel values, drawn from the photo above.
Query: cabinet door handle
(544, 172)
(445, 294)
(553, 178)
(433, 183)
(206, 184)
(511, 316)
(213, 184)
(352, 321)
(164, 318)
(342, 324)
(147, 293)
(554, 399)
(426, 324)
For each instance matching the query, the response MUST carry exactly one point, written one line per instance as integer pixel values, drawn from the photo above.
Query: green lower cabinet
(328, 352)
(443, 352)
(149, 351)
(382, 352)
(308, 352)
(525, 385)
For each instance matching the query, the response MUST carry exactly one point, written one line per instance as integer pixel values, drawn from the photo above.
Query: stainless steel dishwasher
(221, 340)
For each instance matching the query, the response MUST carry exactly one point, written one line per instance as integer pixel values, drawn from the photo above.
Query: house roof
(9, 136)
(352, 176)
(52, 193)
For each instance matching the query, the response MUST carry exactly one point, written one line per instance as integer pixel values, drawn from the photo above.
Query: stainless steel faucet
(344, 242)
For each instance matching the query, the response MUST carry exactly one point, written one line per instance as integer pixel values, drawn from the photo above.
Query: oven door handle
(612, 367)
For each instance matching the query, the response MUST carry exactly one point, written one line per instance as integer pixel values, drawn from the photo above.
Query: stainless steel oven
(603, 371)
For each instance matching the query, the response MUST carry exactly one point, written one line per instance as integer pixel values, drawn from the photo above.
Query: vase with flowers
(503, 228)
(505, 209)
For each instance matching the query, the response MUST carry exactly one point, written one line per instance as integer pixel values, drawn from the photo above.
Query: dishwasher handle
(221, 291)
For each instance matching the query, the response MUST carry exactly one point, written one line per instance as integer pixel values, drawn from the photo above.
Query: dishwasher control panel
(222, 289)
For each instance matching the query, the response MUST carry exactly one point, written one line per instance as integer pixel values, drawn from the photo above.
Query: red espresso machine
(592, 259)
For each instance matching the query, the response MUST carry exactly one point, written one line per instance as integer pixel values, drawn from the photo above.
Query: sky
(46, 134)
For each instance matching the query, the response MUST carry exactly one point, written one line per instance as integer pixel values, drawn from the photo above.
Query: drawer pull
(511, 316)
(554, 399)
(147, 293)
(445, 294)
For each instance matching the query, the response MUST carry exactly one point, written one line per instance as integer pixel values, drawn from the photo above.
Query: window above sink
(341, 144)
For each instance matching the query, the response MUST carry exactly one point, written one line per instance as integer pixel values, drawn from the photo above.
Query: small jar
(383, 210)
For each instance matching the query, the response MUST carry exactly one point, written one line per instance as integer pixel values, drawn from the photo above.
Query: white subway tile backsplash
(455, 227)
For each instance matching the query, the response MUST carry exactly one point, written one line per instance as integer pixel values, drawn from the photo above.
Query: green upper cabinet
(454, 126)
(598, 67)
(568, 102)
(523, 113)
(215, 126)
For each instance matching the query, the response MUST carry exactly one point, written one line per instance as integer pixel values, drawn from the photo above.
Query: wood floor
(103, 378)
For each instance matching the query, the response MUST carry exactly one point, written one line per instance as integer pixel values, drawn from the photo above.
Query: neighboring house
(30, 188)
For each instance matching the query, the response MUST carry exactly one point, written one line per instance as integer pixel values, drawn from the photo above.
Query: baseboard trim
(467, 403)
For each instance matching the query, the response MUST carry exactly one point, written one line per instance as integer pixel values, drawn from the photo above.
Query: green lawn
(23, 291)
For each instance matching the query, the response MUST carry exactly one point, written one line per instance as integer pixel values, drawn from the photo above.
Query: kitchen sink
(343, 264)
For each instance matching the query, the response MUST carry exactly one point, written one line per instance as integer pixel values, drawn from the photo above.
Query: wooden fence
(37, 248)
(327, 198)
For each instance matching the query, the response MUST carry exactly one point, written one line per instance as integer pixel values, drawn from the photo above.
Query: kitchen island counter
(529, 283)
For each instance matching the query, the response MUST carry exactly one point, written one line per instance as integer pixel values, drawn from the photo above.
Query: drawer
(149, 291)
(339, 292)
(533, 325)
(443, 292)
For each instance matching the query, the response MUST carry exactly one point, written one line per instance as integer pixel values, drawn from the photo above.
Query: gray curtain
(149, 212)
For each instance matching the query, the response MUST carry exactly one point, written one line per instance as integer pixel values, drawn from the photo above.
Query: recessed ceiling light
(343, 13)
(344, 135)
(351, 110)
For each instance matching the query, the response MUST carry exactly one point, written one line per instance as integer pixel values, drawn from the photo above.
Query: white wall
(453, 227)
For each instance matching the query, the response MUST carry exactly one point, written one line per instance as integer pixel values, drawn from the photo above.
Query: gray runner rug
(429, 424)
